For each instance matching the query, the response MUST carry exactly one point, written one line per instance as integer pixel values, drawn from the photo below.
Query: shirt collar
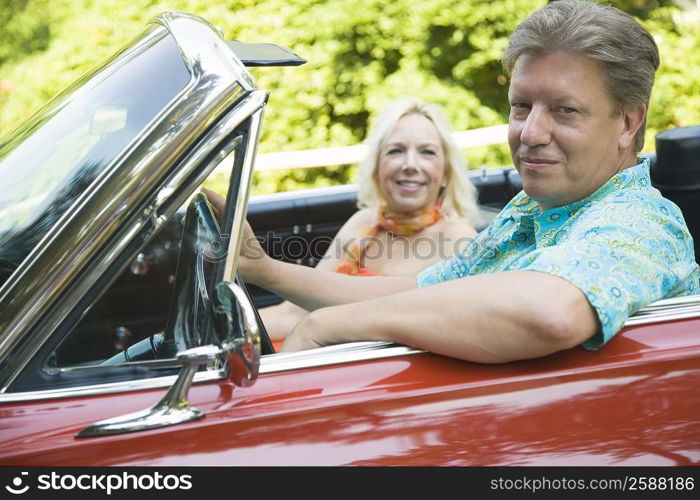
(636, 176)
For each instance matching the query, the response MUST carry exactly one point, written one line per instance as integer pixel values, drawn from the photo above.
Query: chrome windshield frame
(136, 193)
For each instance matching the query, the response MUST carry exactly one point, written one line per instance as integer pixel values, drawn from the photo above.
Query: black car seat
(676, 173)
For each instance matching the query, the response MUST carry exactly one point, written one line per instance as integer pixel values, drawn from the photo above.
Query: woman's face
(411, 165)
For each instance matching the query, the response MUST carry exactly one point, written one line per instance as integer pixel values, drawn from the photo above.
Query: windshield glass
(47, 163)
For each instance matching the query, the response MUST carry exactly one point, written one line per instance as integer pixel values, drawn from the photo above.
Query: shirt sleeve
(622, 260)
(460, 265)
(444, 270)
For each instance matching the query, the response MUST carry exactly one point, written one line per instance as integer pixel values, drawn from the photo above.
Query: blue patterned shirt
(624, 246)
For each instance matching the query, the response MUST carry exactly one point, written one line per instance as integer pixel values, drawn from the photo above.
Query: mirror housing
(237, 325)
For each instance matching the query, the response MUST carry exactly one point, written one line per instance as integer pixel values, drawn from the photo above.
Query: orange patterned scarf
(397, 224)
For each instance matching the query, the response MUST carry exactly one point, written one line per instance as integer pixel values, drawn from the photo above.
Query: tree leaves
(361, 53)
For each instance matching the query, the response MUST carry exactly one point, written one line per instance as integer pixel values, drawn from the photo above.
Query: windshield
(47, 163)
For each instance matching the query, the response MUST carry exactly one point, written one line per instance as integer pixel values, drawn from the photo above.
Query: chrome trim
(667, 310)
(241, 206)
(187, 28)
(112, 204)
(673, 301)
(109, 388)
(173, 409)
(164, 364)
(242, 350)
(334, 355)
(169, 199)
(272, 363)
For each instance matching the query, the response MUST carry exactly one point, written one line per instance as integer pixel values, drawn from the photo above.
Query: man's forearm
(488, 319)
(315, 288)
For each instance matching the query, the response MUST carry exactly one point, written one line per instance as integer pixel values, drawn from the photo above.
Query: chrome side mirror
(240, 349)
(241, 338)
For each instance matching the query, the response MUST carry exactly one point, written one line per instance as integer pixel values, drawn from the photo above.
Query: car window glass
(128, 323)
(48, 163)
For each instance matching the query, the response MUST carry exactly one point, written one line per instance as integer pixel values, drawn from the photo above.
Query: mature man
(586, 244)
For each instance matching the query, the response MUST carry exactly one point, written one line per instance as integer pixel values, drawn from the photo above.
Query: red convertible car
(126, 337)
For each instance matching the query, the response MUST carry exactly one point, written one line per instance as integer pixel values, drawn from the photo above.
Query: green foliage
(642, 9)
(361, 54)
(22, 31)
(675, 99)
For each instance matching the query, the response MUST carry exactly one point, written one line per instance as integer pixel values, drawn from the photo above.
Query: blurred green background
(361, 53)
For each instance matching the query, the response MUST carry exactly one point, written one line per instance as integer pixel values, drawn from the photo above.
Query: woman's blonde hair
(459, 195)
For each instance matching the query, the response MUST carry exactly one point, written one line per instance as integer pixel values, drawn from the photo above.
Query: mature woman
(415, 204)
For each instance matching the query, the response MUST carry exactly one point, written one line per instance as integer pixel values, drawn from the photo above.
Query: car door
(633, 403)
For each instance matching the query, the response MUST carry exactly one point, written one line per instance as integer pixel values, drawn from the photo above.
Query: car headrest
(678, 158)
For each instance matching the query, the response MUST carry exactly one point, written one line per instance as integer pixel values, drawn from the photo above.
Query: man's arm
(315, 288)
(489, 318)
(308, 288)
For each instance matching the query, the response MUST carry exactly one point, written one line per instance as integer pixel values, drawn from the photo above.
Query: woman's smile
(411, 165)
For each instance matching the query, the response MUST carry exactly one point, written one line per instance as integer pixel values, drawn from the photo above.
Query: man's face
(565, 139)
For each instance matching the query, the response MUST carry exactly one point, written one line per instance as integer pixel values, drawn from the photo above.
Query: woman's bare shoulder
(357, 222)
(456, 233)
(350, 231)
(458, 227)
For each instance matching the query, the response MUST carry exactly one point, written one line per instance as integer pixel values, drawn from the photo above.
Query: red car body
(635, 402)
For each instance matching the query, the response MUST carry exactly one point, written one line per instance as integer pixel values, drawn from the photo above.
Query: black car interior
(675, 172)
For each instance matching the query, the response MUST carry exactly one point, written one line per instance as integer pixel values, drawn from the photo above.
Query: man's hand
(308, 332)
(254, 262)
(217, 202)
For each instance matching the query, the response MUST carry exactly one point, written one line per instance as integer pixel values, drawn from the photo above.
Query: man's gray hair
(627, 51)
